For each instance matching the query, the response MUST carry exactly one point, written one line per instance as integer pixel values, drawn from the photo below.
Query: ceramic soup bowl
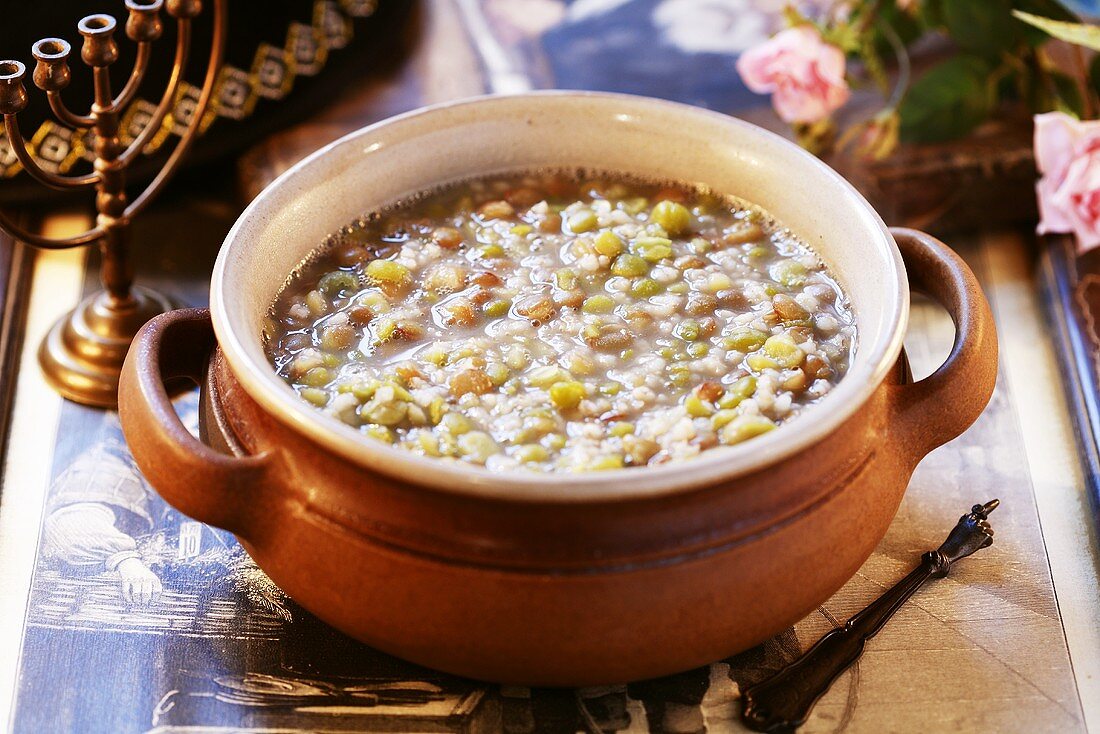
(563, 579)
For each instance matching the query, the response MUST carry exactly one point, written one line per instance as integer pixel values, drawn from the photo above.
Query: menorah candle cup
(13, 97)
(99, 47)
(51, 73)
(144, 24)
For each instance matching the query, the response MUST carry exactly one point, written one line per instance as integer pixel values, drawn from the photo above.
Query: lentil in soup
(562, 322)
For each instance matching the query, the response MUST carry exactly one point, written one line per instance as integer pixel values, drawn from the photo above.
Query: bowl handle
(210, 486)
(938, 408)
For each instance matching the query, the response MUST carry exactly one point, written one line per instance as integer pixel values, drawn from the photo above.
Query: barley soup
(562, 322)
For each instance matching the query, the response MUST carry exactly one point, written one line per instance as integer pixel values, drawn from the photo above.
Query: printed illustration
(194, 633)
(116, 556)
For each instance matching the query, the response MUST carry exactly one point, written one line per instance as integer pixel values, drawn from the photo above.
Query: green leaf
(794, 17)
(844, 36)
(981, 26)
(948, 101)
(1094, 74)
(1052, 9)
(1080, 34)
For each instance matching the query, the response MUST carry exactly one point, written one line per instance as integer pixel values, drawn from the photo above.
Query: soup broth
(562, 322)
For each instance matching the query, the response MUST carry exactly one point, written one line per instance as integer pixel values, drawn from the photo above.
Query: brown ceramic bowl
(561, 579)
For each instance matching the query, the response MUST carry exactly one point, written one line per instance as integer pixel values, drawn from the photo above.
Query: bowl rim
(720, 464)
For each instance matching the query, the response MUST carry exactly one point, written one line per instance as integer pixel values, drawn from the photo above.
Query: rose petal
(1056, 135)
(1051, 217)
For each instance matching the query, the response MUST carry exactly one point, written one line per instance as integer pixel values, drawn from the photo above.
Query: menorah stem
(213, 67)
(124, 97)
(83, 353)
(22, 234)
(101, 81)
(65, 115)
(183, 46)
(116, 271)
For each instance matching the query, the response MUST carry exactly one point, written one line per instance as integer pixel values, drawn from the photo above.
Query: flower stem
(904, 69)
(1091, 101)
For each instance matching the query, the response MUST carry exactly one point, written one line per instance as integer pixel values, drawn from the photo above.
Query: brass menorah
(83, 353)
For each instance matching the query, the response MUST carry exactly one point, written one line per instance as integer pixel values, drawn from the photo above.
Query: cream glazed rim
(287, 208)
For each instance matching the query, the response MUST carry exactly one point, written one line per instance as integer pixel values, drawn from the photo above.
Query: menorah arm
(65, 115)
(214, 64)
(183, 43)
(19, 146)
(141, 64)
(47, 243)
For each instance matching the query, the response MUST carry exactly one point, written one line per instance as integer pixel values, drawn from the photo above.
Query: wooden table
(1009, 642)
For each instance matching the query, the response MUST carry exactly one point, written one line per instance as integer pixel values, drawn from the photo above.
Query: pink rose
(1067, 152)
(804, 75)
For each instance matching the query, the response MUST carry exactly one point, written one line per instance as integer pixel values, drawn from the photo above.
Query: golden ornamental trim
(272, 75)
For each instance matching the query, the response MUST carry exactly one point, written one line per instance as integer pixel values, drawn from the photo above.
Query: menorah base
(82, 355)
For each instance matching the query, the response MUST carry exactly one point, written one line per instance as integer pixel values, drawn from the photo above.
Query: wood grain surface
(15, 275)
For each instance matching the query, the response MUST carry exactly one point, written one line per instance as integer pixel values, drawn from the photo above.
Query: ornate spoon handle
(783, 702)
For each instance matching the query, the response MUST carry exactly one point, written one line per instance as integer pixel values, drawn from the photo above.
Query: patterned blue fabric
(1084, 8)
